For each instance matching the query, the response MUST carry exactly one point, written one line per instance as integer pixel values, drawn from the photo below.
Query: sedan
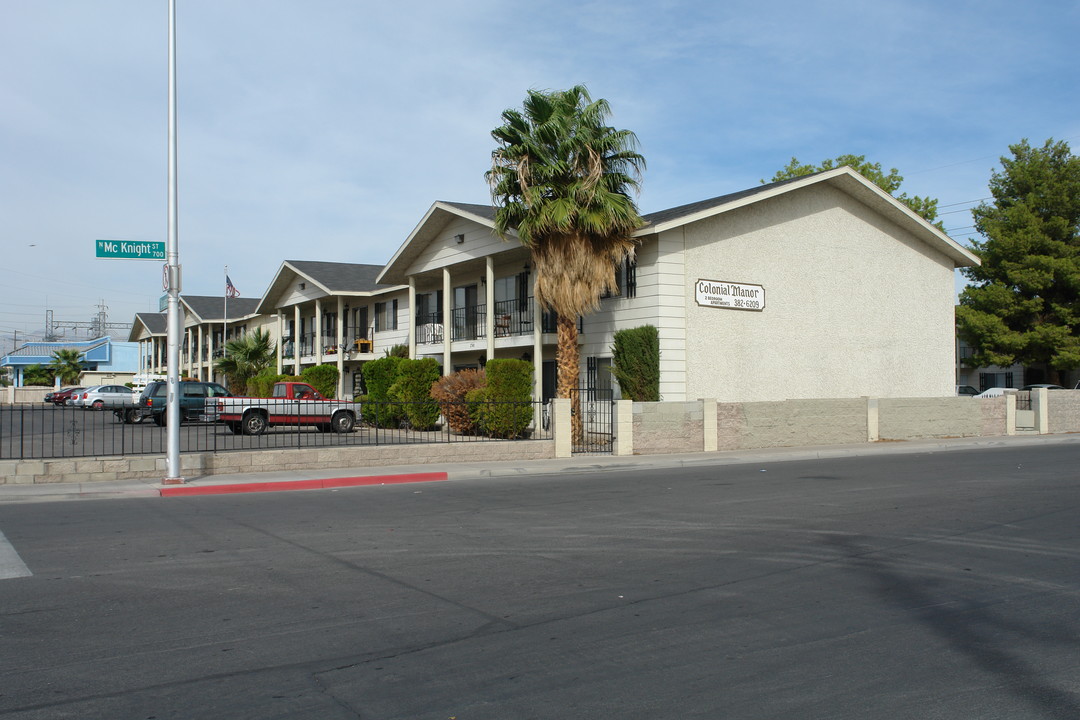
(62, 397)
(101, 397)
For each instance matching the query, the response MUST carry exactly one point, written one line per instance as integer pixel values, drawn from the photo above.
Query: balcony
(512, 318)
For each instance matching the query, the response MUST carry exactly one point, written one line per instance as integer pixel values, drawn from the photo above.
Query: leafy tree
(561, 179)
(67, 365)
(925, 207)
(1023, 305)
(245, 357)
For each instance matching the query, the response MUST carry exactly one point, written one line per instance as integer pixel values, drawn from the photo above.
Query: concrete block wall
(787, 423)
(667, 427)
(194, 465)
(1063, 412)
(911, 418)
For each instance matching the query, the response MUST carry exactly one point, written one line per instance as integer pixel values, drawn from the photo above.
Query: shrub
(412, 389)
(398, 351)
(449, 391)
(262, 385)
(323, 378)
(636, 363)
(379, 376)
(504, 408)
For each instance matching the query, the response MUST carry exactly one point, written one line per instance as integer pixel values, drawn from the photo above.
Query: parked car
(63, 397)
(966, 391)
(1042, 385)
(105, 397)
(992, 392)
(193, 395)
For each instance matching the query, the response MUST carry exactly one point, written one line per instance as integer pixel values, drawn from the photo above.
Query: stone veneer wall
(1064, 411)
(911, 418)
(787, 423)
(668, 427)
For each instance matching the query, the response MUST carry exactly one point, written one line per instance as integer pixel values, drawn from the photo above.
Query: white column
(340, 342)
(296, 340)
(280, 335)
(448, 298)
(318, 349)
(489, 301)
(412, 318)
(199, 355)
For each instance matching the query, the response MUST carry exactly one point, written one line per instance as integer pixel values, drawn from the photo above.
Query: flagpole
(225, 316)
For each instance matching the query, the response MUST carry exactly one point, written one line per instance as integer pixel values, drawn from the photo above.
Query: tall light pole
(172, 281)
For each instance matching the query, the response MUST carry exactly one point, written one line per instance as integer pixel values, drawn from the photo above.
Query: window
(386, 316)
(625, 280)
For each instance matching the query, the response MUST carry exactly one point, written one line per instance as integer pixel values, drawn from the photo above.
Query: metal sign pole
(172, 279)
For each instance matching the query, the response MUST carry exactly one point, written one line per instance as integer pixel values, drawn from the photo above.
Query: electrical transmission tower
(97, 326)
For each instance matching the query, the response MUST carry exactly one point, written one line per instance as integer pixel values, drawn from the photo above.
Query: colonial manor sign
(723, 294)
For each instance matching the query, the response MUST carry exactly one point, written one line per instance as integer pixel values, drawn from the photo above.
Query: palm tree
(67, 365)
(561, 178)
(245, 357)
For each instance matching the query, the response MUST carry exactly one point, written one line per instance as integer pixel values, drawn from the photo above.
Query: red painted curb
(301, 484)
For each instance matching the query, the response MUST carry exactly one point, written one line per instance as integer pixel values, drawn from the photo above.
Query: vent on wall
(459, 239)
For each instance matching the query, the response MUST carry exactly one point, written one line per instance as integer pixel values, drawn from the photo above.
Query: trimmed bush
(379, 376)
(323, 378)
(413, 390)
(450, 391)
(636, 363)
(262, 385)
(504, 408)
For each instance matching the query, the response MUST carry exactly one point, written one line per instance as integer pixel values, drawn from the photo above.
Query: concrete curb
(313, 484)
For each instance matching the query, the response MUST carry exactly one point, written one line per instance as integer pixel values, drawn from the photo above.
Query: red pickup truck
(293, 404)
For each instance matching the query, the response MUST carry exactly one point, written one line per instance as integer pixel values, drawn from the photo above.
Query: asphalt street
(919, 585)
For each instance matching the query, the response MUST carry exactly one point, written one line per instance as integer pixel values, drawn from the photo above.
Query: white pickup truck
(293, 404)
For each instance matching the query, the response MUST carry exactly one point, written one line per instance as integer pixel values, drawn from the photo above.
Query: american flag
(230, 289)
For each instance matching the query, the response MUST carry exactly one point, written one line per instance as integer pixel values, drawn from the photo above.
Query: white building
(853, 291)
(821, 286)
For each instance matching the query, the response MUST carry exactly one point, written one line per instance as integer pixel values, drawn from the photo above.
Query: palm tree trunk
(568, 360)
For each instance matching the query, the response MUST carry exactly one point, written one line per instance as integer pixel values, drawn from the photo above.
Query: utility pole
(172, 278)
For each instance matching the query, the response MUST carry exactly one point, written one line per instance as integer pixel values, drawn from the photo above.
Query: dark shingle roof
(484, 211)
(340, 277)
(209, 307)
(155, 323)
(675, 213)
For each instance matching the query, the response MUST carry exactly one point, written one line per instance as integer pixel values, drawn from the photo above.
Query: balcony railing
(512, 318)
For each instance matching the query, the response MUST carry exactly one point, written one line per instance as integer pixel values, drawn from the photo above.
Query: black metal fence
(50, 432)
(594, 410)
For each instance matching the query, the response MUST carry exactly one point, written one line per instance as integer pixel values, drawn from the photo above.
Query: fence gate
(595, 407)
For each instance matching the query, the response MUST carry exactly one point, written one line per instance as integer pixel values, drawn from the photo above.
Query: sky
(325, 129)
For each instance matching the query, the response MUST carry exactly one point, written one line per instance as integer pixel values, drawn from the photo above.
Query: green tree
(561, 179)
(37, 375)
(67, 365)
(890, 182)
(245, 357)
(1023, 304)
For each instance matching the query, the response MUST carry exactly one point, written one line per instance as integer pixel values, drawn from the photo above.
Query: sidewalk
(351, 477)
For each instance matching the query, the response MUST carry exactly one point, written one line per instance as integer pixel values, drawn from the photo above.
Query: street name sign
(131, 250)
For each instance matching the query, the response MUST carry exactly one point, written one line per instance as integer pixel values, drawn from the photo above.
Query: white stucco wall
(854, 304)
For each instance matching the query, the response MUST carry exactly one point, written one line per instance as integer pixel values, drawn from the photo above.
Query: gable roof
(843, 178)
(156, 325)
(434, 220)
(210, 308)
(333, 278)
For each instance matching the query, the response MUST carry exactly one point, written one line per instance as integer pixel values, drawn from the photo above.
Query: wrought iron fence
(49, 432)
(592, 411)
